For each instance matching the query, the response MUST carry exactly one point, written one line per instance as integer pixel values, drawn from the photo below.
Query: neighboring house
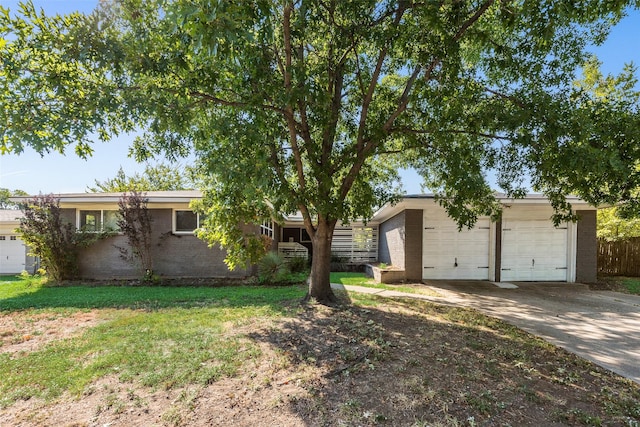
(414, 236)
(13, 252)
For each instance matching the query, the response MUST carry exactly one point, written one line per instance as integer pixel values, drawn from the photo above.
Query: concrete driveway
(600, 326)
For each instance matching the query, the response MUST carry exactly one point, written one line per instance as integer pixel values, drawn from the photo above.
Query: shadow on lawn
(416, 363)
(148, 297)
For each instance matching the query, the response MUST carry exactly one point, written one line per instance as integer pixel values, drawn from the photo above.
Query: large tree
(310, 106)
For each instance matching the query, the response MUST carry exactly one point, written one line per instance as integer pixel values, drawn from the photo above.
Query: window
(185, 221)
(3, 237)
(98, 220)
(13, 238)
(266, 229)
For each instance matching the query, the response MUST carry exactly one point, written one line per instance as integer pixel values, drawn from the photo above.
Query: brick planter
(384, 275)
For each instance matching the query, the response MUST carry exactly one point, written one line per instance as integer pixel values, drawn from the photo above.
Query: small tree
(55, 241)
(135, 223)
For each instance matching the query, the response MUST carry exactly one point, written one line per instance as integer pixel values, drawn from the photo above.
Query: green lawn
(360, 279)
(159, 336)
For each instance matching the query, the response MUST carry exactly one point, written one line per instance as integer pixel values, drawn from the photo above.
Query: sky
(57, 173)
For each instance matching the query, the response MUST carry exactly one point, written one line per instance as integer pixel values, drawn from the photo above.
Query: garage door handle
(561, 268)
(533, 263)
(484, 267)
(455, 262)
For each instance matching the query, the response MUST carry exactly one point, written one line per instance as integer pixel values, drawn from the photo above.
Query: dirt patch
(395, 363)
(28, 331)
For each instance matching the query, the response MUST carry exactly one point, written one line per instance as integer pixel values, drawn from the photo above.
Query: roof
(182, 196)
(10, 215)
(416, 201)
(411, 201)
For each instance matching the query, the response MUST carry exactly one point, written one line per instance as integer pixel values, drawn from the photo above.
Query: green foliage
(312, 106)
(612, 227)
(161, 177)
(272, 268)
(134, 223)
(5, 194)
(298, 264)
(53, 238)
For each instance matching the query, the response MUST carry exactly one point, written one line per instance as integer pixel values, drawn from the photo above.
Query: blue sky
(56, 173)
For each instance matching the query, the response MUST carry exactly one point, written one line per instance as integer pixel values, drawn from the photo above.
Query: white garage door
(12, 255)
(533, 251)
(451, 254)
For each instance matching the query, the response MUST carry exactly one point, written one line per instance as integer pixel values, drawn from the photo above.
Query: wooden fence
(619, 258)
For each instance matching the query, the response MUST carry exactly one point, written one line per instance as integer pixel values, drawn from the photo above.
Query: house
(415, 236)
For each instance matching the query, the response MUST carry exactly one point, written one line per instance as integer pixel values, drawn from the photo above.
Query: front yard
(237, 356)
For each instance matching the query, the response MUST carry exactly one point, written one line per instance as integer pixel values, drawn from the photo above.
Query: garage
(12, 254)
(532, 248)
(450, 254)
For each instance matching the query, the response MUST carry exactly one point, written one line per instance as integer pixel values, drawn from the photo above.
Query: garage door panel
(449, 254)
(12, 255)
(533, 251)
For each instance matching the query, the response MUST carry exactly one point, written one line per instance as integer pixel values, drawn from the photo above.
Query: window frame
(174, 222)
(102, 229)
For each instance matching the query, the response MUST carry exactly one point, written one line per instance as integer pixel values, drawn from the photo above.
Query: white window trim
(266, 229)
(102, 211)
(173, 222)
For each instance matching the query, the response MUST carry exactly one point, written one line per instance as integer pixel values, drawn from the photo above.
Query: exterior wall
(174, 255)
(413, 244)
(587, 248)
(391, 241)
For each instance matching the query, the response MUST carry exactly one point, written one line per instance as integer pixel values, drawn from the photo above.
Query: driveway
(600, 326)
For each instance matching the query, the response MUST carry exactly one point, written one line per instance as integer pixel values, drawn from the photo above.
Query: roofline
(152, 197)
(416, 201)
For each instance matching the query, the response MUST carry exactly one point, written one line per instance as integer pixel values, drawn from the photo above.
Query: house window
(3, 237)
(13, 238)
(185, 221)
(98, 220)
(266, 229)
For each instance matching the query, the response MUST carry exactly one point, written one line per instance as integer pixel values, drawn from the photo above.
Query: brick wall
(587, 248)
(391, 248)
(413, 244)
(174, 255)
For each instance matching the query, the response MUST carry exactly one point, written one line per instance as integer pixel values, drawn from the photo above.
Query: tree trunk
(319, 284)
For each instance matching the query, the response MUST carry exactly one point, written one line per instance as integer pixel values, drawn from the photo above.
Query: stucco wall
(587, 248)
(391, 241)
(174, 255)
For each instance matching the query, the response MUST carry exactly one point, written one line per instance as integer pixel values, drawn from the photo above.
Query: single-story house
(415, 236)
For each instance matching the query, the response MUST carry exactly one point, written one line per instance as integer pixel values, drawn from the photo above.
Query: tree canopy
(159, 177)
(311, 106)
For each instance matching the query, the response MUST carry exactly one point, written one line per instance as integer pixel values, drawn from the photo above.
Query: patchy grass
(632, 284)
(248, 356)
(161, 337)
(360, 279)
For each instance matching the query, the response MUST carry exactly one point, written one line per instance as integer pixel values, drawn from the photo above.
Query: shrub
(298, 264)
(135, 223)
(272, 268)
(53, 239)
